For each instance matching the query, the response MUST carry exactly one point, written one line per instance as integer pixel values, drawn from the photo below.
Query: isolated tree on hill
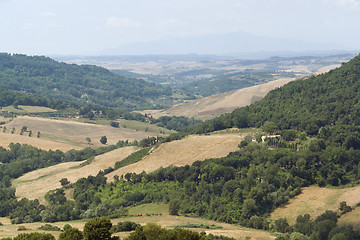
(88, 140)
(114, 124)
(64, 182)
(103, 140)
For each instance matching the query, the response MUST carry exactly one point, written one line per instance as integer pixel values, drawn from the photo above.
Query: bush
(114, 124)
(49, 227)
(71, 234)
(124, 227)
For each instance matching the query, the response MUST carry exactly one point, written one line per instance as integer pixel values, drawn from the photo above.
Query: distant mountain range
(236, 43)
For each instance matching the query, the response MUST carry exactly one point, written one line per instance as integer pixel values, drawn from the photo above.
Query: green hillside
(327, 106)
(86, 83)
(317, 119)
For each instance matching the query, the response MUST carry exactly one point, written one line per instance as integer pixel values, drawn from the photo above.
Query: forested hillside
(327, 106)
(9, 97)
(86, 83)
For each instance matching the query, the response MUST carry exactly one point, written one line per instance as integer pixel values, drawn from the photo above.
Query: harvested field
(229, 230)
(213, 106)
(45, 144)
(315, 201)
(184, 152)
(75, 133)
(37, 183)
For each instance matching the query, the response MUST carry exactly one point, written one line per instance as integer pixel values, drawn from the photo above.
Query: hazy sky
(90, 26)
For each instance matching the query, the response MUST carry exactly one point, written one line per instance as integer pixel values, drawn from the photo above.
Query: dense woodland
(9, 97)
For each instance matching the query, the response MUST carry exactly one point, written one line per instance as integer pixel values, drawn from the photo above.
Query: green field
(150, 208)
(28, 109)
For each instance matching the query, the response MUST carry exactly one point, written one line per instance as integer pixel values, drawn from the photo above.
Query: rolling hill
(82, 84)
(318, 121)
(183, 152)
(75, 133)
(35, 184)
(215, 105)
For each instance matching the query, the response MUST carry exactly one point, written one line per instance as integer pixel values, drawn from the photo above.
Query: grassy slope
(28, 109)
(37, 183)
(216, 105)
(75, 133)
(45, 144)
(316, 200)
(351, 218)
(184, 152)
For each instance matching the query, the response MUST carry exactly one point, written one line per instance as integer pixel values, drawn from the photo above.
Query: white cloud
(115, 22)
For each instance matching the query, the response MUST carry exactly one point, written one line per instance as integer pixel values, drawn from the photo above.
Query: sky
(88, 27)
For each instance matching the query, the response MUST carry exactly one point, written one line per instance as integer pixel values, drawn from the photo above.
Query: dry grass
(28, 109)
(184, 152)
(352, 218)
(75, 133)
(315, 201)
(229, 230)
(216, 105)
(45, 144)
(37, 183)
